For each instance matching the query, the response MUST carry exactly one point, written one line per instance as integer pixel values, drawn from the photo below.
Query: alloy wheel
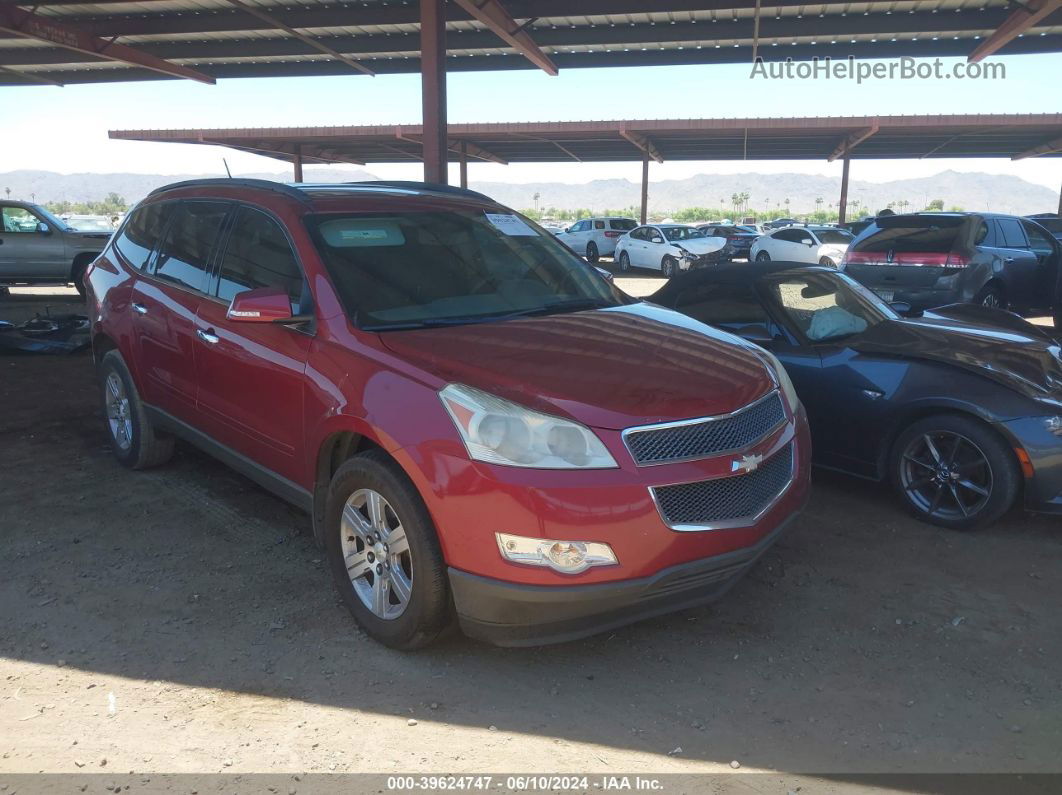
(946, 475)
(119, 416)
(992, 300)
(376, 553)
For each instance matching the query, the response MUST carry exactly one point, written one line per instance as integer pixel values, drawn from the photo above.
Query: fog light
(567, 557)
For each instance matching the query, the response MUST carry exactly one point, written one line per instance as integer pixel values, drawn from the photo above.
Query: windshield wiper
(559, 307)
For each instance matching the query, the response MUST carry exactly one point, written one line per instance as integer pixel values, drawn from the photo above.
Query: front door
(26, 252)
(251, 375)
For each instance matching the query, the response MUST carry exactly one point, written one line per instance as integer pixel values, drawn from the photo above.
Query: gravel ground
(181, 620)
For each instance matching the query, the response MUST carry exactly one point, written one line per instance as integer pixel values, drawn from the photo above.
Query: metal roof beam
(850, 142)
(492, 14)
(477, 151)
(644, 143)
(33, 26)
(258, 13)
(1020, 20)
(1046, 148)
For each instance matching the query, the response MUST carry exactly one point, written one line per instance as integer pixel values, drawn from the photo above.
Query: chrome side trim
(700, 421)
(789, 437)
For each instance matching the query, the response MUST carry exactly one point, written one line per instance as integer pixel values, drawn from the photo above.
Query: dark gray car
(932, 259)
(38, 248)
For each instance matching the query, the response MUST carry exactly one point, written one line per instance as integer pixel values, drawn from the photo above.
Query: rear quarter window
(1011, 233)
(623, 224)
(141, 232)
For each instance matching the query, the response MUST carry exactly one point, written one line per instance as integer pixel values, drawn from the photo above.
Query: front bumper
(511, 614)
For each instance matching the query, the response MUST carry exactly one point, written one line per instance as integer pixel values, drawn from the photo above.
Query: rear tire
(954, 471)
(415, 607)
(592, 254)
(992, 297)
(827, 262)
(135, 441)
(763, 256)
(624, 261)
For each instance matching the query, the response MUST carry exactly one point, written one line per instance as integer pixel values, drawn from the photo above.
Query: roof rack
(301, 192)
(236, 182)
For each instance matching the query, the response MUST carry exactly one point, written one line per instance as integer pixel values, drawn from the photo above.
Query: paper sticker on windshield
(511, 225)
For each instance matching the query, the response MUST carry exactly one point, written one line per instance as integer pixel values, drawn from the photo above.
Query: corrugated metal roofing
(220, 40)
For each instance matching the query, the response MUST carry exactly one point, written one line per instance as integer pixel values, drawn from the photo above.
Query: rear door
(1019, 263)
(165, 301)
(26, 252)
(1046, 250)
(251, 375)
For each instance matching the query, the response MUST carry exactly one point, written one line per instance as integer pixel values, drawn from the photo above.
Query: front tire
(135, 441)
(669, 266)
(592, 254)
(954, 471)
(624, 261)
(384, 553)
(763, 256)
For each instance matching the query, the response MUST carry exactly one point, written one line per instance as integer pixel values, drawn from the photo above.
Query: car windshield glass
(826, 306)
(681, 232)
(1053, 225)
(89, 225)
(838, 236)
(418, 269)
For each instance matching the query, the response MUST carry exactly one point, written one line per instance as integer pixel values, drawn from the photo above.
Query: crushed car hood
(608, 368)
(701, 245)
(989, 342)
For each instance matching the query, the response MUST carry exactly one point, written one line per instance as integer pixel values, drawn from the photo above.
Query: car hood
(608, 368)
(989, 342)
(701, 245)
(89, 236)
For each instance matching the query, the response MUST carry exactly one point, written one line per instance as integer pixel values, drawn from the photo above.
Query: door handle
(207, 336)
(140, 309)
(1008, 260)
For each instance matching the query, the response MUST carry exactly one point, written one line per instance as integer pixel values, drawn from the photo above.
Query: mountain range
(970, 190)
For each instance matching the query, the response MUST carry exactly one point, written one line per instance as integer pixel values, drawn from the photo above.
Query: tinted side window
(1010, 230)
(788, 236)
(638, 234)
(622, 223)
(726, 305)
(258, 255)
(141, 233)
(1039, 240)
(599, 224)
(185, 255)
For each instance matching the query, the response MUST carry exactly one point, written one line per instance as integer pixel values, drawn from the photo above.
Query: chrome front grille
(683, 441)
(727, 501)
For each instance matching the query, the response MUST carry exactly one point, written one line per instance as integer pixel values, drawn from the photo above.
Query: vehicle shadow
(863, 642)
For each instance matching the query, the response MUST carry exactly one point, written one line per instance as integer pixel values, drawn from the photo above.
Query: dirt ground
(181, 620)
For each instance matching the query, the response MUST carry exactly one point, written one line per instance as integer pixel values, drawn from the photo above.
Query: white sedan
(669, 248)
(820, 245)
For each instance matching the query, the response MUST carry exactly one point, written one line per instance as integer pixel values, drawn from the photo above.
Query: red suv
(481, 426)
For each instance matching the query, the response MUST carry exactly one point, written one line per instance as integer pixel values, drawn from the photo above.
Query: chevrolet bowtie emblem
(747, 463)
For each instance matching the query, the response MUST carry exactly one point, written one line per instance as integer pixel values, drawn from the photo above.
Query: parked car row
(489, 431)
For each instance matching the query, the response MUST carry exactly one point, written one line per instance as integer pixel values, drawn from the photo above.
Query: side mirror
(264, 305)
(901, 308)
(43, 228)
(656, 239)
(808, 242)
(755, 333)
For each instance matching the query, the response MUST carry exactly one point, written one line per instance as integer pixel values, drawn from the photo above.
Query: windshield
(1052, 225)
(682, 232)
(838, 236)
(826, 306)
(420, 269)
(89, 224)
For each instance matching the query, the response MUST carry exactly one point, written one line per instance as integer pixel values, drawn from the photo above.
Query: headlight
(498, 431)
(568, 557)
(783, 381)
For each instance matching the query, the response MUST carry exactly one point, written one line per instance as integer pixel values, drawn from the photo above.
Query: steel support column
(842, 205)
(645, 186)
(1060, 201)
(433, 89)
(296, 161)
(464, 164)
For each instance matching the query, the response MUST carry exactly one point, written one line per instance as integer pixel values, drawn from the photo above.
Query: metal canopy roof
(80, 41)
(1010, 136)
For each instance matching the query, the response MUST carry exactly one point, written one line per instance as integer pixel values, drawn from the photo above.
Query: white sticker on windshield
(511, 225)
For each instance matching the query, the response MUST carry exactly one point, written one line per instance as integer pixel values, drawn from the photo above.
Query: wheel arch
(81, 259)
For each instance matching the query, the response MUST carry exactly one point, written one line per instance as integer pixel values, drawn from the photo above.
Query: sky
(65, 129)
